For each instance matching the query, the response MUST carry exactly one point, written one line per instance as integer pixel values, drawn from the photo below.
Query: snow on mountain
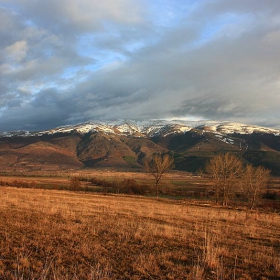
(126, 127)
(151, 128)
(230, 128)
(16, 133)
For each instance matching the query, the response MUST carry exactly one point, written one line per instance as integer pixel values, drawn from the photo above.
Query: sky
(70, 61)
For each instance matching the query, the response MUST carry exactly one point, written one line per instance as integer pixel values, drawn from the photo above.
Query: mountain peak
(149, 128)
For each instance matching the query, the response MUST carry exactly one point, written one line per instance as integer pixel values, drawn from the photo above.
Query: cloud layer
(69, 61)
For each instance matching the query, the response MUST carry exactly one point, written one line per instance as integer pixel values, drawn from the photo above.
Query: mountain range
(126, 144)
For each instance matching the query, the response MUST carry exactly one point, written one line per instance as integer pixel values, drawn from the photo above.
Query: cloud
(17, 51)
(69, 18)
(63, 63)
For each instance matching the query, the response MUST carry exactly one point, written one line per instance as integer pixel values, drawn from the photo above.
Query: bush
(270, 195)
(130, 186)
(127, 186)
(75, 184)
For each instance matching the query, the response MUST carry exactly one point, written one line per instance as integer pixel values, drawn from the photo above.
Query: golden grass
(48, 234)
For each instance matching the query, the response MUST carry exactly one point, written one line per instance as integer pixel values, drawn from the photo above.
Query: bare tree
(157, 166)
(225, 170)
(253, 181)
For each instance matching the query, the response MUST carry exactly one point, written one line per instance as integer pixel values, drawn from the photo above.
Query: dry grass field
(50, 234)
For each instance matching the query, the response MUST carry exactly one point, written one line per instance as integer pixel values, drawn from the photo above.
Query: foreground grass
(47, 234)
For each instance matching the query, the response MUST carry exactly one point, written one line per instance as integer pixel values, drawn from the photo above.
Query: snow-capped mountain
(231, 128)
(127, 144)
(150, 128)
(126, 127)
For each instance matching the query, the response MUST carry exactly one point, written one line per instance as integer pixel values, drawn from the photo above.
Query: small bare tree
(157, 166)
(253, 181)
(225, 170)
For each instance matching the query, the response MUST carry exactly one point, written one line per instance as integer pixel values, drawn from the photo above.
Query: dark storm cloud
(62, 63)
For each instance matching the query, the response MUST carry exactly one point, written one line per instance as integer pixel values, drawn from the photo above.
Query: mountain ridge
(126, 145)
(149, 128)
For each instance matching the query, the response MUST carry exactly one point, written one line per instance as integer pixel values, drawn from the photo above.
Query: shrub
(127, 186)
(270, 195)
(130, 186)
(75, 184)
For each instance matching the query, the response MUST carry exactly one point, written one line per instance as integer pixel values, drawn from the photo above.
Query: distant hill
(126, 144)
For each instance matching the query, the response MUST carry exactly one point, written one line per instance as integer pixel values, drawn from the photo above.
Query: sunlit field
(55, 234)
